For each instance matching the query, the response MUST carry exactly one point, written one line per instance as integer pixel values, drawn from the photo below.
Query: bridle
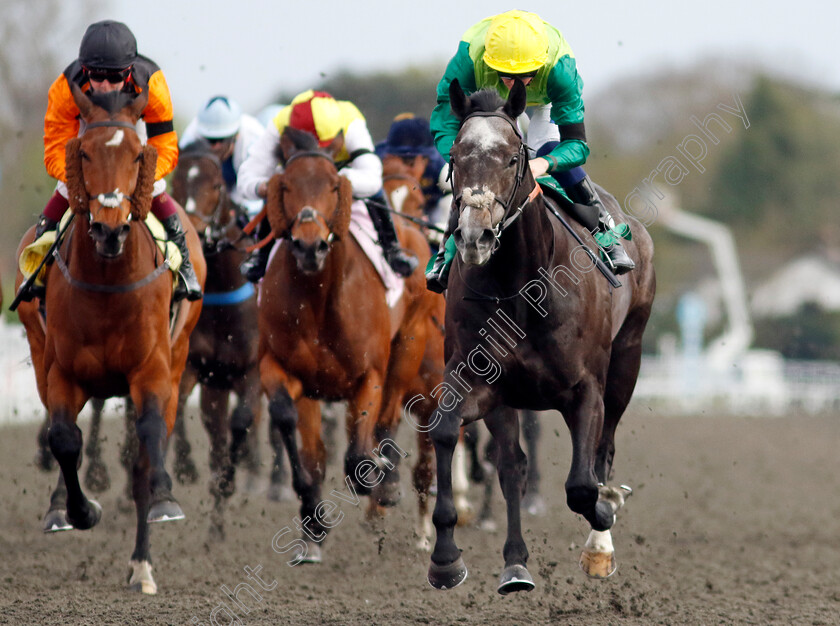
(310, 214)
(214, 223)
(112, 199)
(511, 211)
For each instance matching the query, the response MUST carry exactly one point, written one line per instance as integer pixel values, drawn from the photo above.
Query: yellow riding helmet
(516, 43)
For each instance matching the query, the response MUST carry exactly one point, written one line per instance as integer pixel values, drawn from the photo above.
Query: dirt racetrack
(733, 521)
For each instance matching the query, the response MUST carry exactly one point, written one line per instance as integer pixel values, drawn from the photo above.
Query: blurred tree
(810, 333)
(38, 41)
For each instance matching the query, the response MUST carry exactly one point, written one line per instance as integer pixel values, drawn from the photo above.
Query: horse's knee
(151, 428)
(65, 441)
(241, 420)
(282, 412)
(446, 434)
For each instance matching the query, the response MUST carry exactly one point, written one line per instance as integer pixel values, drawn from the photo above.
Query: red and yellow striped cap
(318, 113)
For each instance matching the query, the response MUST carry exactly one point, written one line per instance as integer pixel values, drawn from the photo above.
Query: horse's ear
(517, 100)
(286, 146)
(76, 191)
(336, 144)
(142, 196)
(274, 208)
(457, 99)
(341, 220)
(81, 99)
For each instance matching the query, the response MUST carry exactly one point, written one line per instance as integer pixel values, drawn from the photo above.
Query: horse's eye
(514, 160)
(84, 155)
(138, 158)
(336, 188)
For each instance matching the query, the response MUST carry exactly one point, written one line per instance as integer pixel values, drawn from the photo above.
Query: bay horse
(108, 331)
(524, 331)
(222, 355)
(327, 332)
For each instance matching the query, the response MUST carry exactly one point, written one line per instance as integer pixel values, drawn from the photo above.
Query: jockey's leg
(165, 209)
(580, 189)
(437, 276)
(253, 268)
(402, 262)
(48, 220)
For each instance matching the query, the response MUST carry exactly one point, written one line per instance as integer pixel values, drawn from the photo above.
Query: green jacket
(557, 83)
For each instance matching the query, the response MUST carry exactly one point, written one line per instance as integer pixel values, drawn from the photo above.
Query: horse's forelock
(486, 100)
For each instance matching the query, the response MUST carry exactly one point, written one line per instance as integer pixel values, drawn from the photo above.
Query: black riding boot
(37, 291)
(437, 277)
(188, 286)
(584, 193)
(253, 268)
(402, 262)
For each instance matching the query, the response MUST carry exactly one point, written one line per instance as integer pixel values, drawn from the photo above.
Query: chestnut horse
(404, 192)
(326, 332)
(108, 332)
(524, 331)
(223, 347)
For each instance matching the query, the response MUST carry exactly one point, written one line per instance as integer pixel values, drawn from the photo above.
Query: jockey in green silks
(517, 45)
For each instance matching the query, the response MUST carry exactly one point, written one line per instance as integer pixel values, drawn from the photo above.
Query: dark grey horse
(529, 325)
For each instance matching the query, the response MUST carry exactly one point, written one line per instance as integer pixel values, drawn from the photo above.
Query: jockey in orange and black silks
(108, 61)
(321, 115)
(517, 45)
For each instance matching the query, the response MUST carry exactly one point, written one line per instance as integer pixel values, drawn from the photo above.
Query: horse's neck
(526, 246)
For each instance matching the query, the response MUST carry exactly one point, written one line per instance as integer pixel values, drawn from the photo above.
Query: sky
(251, 49)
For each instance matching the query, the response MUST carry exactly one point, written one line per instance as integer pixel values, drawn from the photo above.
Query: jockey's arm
(160, 129)
(365, 171)
(564, 91)
(259, 165)
(61, 124)
(443, 123)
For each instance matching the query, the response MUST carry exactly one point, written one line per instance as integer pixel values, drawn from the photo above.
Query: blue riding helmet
(410, 137)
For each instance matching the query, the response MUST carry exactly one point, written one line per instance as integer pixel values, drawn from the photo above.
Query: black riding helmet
(107, 45)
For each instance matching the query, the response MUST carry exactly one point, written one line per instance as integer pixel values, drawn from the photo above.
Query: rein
(102, 288)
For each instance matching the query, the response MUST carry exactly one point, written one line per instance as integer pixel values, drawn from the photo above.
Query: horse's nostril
(323, 247)
(487, 237)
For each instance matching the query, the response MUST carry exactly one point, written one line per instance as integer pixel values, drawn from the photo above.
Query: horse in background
(572, 340)
(113, 337)
(327, 332)
(223, 346)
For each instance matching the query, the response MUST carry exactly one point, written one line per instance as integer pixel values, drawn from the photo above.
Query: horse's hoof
(534, 504)
(140, 578)
(165, 511)
(447, 576)
(56, 521)
(515, 578)
(97, 479)
(387, 494)
(597, 564)
(313, 552)
(91, 519)
(281, 493)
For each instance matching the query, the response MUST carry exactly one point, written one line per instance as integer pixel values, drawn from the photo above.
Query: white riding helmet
(220, 117)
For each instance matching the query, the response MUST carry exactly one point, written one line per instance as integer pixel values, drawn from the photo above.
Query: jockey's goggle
(521, 77)
(217, 140)
(112, 76)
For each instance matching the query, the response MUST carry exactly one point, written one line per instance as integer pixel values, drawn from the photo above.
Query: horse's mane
(113, 101)
(486, 99)
(301, 140)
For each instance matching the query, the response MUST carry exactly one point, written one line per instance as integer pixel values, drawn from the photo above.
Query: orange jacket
(61, 122)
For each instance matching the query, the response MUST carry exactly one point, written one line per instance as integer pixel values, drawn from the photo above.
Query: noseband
(113, 199)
